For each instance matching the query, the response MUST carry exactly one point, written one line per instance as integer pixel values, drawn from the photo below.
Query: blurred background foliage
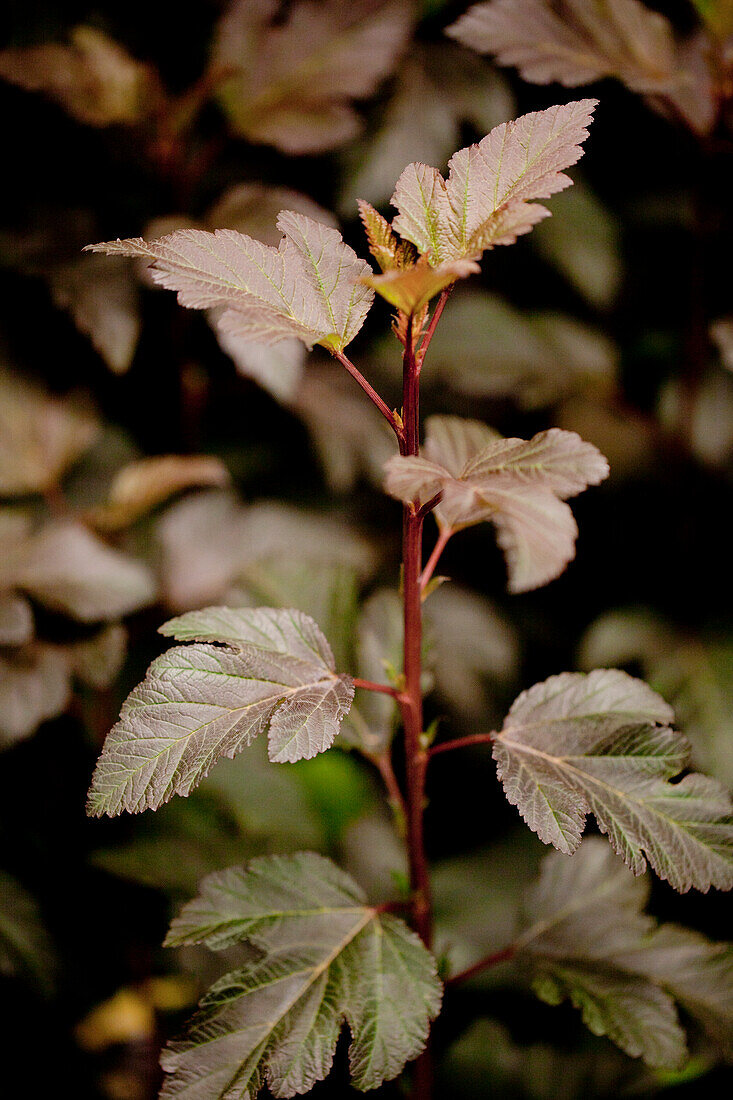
(149, 465)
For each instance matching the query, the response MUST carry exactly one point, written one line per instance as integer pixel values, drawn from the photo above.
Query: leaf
(328, 958)
(93, 78)
(292, 79)
(722, 335)
(34, 686)
(68, 569)
(600, 743)
(141, 486)
(40, 436)
(532, 359)
(389, 251)
(695, 672)
(307, 288)
(514, 483)
(101, 296)
(266, 670)
(717, 15)
(97, 661)
(484, 202)
(587, 937)
(412, 288)
(278, 368)
(438, 88)
(577, 41)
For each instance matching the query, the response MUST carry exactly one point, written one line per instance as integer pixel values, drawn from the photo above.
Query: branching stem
(390, 416)
(369, 685)
(486, 963)
(437, 312)
(462, 743)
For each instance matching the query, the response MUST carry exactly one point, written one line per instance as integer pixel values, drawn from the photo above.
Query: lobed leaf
(328, 958)
(517, 484)
(412, 288)
(485, 201)
(252, 671)
(586, 937)
(579, 41)
(307, 288)
(600, 743)
(290, 81)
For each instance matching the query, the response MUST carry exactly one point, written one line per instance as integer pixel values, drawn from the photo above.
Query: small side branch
(445, 534)
(462, 743)
(383, 763)
(392, 418)
(437, 313)
(369, 685)
(483, 964)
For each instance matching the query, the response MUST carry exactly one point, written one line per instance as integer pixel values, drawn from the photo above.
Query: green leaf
(307, 288)
(586, 937)
(25, 948)
(600, 743)
(328, 958)
(258, 670)
(484, 202)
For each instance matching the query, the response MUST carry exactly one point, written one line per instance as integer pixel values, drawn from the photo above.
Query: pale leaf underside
(328, 959)
(576, 42)
(519, 485)
(486, 200)
(249, 671)
(587, 938)
(307, 288)
(600, 743)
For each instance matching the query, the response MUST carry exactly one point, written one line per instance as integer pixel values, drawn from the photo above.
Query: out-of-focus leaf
(587, 938)
(278, 368)
(196, 569)
(438, 87)
(292, 81)
(485, 200)
(68, 569)
(578, 41)
(307, 288)
(582, 241)
(93, 78)
(373, 853)
(624, 436)
(349, 434)
(99, 292)
(324, 590)
(34, 686)
(371, 723)
(40, 436)
(143, 485)
(600, 743)
(535, 1071)
(722, 334)
(253, 208)
(96, 661)
(16, 619)
(478, 901)
(25, 948)
(319, 938)
(717, 15)
(694, 672)
(470, 645)
(485, 347)
(520, 485)
(709, 424)
(280, 678)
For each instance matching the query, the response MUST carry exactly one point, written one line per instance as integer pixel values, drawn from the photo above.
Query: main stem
(416, 756)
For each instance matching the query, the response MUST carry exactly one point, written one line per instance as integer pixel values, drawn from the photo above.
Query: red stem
(497, 957)
(444, 296)
(416, 756)
(383, 763)
(369, 685)
(391, 417)
(462, 742)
